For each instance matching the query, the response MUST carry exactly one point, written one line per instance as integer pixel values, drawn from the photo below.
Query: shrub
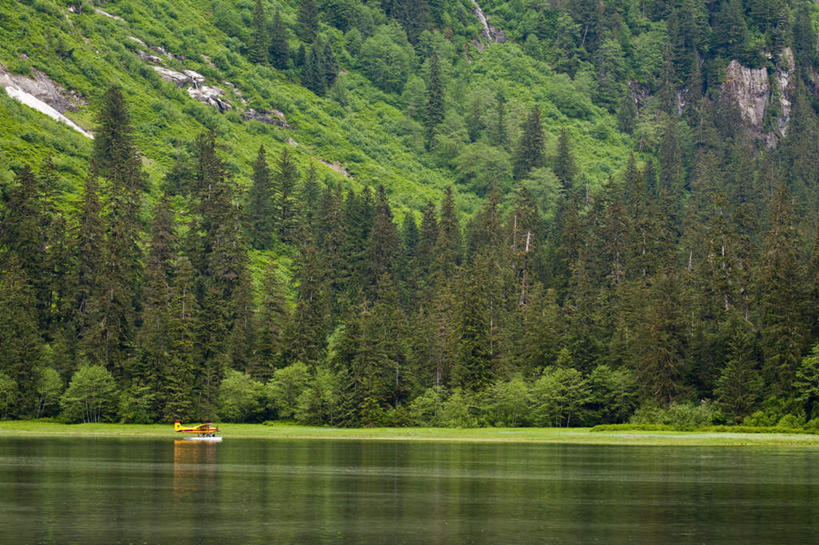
(427, 408)
(613, 394)
(560, 397)
(91, 396)
(136, 404)
(318, 403)
(685, 415)
(48, 389)
(285, 388)
(759, 419)
(789, 421)
(385, 62)
(509, 402)
(241, 398)
(8, 394)
(458, 410)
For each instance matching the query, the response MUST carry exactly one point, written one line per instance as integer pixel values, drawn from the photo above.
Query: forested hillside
(397, 213)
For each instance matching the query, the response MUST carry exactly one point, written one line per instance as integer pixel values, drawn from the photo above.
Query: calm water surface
(336, 492)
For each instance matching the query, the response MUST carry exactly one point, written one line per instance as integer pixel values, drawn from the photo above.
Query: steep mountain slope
(84, 49)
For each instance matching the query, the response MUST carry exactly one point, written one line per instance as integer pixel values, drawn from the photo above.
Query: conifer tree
(473, 367)
(427, 239)
(627, 113)
(740, 384)
(330, 65)
(272, 321)
(434, 112)
(781, 284)
(497, 132)
(564, 166)
(241, 342)
(219, 257)
(286, 181)
(307, 328)
(19, 337)
(89, 254)
(383, 245)
(660, 344)
(260, 209)
(310, 195)
(448, 245)
(116, 160)
(257, 48)
(529, 153)
(179, 370)
(279, 50)
(313, 75)
(307, 20)
(146, 370)
(26, 227)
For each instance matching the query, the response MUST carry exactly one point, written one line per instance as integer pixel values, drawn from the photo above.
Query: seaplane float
(203, 432)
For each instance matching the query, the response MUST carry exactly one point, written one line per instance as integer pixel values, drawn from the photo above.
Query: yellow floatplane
(204, 432)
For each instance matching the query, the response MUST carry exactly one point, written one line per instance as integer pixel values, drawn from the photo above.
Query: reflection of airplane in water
(194, 470)
(204, 432)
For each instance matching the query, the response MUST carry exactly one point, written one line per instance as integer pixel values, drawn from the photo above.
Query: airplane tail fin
(177, 426)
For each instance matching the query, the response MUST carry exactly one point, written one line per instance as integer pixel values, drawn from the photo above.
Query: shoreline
(567, 436)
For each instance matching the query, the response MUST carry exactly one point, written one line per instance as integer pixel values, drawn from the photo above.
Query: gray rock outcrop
(273, 117)
(755, 92)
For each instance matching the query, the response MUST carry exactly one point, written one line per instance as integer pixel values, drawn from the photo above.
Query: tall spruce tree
(529, 153)
(145, 371)
(497, 130)
(26, 226)
(19, 335)
(109, 339)
(307, 20)
(180, 370)
(257, 48)
(260, 208)
(434, 111)
(279, 49)
(781, 286)
(564, 165)
(286, 182)
(272, 321)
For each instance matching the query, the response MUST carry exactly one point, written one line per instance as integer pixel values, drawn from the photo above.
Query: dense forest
(584, 212)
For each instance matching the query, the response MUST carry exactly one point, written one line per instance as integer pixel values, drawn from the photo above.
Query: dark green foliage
(179, 370)
(307, 26)
(112, 310)
(257, 48)
(807, 382)
(497, 130)
(19, 336)
(286, 178)
(272, 320)
(564, 165)
(782, 299)
(314, 75)
(260, 208)
(279, 49)
(740, 385)
(529, 153)
(627, 113)
(434, 111)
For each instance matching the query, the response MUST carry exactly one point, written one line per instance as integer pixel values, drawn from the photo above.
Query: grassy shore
(480, 435)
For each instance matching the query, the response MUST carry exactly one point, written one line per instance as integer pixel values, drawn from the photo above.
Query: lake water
(365, 492)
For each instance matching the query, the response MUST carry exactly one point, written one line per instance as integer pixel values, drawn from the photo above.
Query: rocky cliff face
(758, 93)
